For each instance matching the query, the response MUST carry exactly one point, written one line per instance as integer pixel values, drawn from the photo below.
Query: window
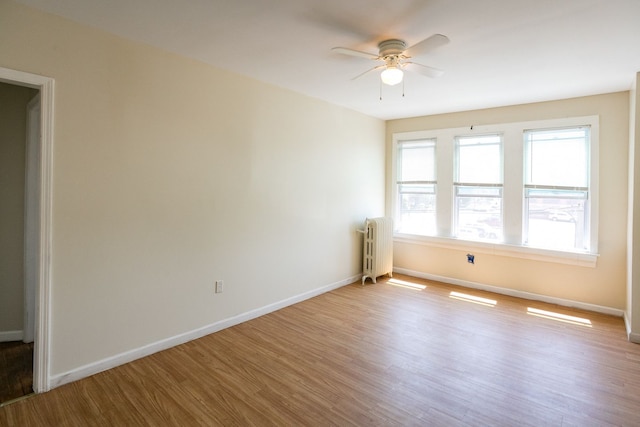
(527, 189)
(416, 187)
(478, 187)
(557, 188)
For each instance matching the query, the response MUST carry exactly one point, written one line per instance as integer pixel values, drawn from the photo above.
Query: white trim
(31, 217)
(137, 353)
(8, 336)
(41, 377)
(632, 336)
(513, 293)
(42, 344)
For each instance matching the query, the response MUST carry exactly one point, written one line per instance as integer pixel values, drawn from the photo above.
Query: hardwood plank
(373, 355)
(16, 370)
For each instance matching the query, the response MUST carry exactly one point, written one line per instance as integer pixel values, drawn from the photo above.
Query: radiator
(377, 258)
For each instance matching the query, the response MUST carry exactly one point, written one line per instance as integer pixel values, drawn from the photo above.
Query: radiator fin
(377, 259)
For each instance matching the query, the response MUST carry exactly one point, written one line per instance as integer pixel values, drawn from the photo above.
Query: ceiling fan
(396, 57)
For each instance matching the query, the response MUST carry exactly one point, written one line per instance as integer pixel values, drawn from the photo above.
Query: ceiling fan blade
(369, 70)
(352, 52)
(427, 44)
(425, 70)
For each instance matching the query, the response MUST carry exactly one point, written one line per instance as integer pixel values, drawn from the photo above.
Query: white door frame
(31, 218)
(42, 343)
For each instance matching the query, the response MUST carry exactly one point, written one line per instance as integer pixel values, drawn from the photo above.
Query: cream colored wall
(13, 126)
(170, 174)
(604, 285)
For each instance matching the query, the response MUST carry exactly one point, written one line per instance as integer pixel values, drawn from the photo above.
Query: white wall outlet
(219, 286)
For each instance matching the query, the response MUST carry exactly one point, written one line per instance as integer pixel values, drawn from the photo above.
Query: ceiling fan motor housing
(391, 47)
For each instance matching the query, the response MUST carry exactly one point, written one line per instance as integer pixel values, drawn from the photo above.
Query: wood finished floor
(373, 355)
(16, 370)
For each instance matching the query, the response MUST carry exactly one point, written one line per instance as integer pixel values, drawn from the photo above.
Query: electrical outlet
(219, 286)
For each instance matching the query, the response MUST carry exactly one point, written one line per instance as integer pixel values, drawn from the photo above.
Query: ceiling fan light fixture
(391, 76)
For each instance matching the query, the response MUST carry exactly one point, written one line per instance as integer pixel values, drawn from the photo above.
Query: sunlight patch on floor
(559, 317)
(472, 298)
(405, 284)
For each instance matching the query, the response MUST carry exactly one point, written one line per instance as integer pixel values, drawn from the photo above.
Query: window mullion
(475, 184)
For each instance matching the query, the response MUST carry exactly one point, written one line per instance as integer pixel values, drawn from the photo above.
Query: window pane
(479, 218)
(479, 159)
(416, 204)
(555, 217)
(556, 222)
(558, 157)
(416, 161)
(478, 208)
(417, 209)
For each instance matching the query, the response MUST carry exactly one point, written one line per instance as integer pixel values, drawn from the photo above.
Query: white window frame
(513, 191)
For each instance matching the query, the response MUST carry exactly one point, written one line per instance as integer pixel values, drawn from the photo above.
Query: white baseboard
(137, 353)
(632, 336)
(514, 293)
(8, 336)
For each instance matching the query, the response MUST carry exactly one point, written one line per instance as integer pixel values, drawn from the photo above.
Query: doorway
(25, 229)
(19, 109)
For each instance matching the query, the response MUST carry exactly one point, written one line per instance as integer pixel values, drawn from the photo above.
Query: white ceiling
(502, 52)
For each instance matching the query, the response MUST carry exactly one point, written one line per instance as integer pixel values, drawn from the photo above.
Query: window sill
(582, 259)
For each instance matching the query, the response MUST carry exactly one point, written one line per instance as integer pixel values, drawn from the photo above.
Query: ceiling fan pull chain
(380, 90)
